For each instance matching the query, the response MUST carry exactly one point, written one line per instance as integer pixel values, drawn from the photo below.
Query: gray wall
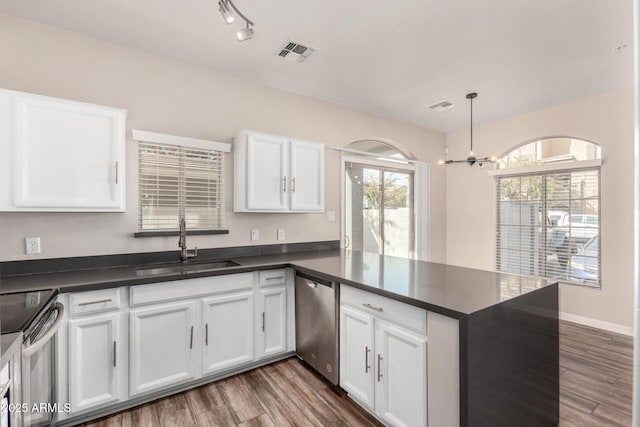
(606, 120)
(166, 96)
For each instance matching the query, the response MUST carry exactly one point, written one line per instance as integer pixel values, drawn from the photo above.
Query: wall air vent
(294, 51)
(441, 106)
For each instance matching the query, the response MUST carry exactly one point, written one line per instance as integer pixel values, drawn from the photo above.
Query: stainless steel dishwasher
(317, 324)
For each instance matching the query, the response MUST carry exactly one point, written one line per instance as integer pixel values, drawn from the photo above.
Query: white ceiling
(392, 58)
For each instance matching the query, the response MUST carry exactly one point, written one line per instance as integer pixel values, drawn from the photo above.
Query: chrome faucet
(185, 253)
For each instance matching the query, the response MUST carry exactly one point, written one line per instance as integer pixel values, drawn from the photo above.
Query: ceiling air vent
(441, 106)
(294, 51)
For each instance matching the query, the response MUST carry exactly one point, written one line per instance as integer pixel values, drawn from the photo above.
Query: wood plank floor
(595, 390)
(595, 377)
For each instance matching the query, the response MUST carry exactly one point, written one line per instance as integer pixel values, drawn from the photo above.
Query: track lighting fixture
(226, 7)
(245, 34)
(225, 12)
(472, 159)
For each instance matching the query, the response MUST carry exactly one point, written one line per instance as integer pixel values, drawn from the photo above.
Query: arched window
(548, 210)
(380, 147)
(550, 151)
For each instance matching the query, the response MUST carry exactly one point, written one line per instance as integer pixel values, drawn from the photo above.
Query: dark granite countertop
(449, 290)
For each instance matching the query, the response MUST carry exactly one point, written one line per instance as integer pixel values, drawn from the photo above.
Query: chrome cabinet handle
(116, 172)
(347, 241)
(366, 360)
(379, 371)
(284, 184)
(206, 334)
(114, 354)
(293, 184)
(275, 278)
(95, 302)
(263, 321)
(191, 340)
(372, 307)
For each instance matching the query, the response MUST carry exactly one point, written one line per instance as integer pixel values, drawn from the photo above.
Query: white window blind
(177, 181)
(548, 225)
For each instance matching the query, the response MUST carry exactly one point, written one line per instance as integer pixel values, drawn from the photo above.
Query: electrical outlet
(280, 233)
(32, 299)
(331, 216)
(255, 235)
(32, 245)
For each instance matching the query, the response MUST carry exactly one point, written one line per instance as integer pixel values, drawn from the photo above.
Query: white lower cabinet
(272, 319)
(139, 341)
(161, 345)
(383, 362)
(228, 331)
(401, 376)
(94, 360)
(356, 355)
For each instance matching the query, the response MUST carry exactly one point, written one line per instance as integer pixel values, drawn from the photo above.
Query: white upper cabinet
(267, 160)
(59, 155)
(307, 177)
(277, 174)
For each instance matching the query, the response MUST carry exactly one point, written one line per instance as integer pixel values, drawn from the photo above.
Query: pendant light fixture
(472, 159)
(226, 7)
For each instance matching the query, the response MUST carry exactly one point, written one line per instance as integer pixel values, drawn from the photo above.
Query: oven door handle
(29, 350)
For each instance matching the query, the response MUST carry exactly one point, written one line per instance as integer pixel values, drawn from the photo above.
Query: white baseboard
(594, 323)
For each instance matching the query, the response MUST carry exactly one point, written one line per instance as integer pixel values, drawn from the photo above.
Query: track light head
(225, 12)
(245, 34)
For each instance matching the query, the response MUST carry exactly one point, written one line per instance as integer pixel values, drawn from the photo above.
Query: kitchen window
(180, 179)
(548, 211)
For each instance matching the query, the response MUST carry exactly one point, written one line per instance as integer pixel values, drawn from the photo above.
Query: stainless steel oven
(38, 364)
(36, 316)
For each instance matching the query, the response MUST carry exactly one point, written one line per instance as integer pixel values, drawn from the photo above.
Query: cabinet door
(94, 361)
(307, 176)
(267, 181)
(401, 376)
(272, 321)
(69, 156)
(161, 346)
(357, 355)
(228, 331)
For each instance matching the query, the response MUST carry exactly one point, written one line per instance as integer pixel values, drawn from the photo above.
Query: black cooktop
(18, 310)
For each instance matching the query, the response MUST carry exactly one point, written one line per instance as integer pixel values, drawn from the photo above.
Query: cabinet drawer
(385, 308)
(273, 277)
(189, 288)
(94, 301)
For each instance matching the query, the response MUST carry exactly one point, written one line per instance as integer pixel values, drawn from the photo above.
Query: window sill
(165, 233)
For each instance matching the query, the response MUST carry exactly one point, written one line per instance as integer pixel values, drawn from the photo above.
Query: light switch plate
(255, 235)
(280, 233)
(331, 216)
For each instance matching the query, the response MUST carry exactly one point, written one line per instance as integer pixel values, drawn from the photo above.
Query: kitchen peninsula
(503, 327)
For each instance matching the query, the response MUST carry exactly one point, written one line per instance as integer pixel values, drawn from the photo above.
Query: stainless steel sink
(183, 268)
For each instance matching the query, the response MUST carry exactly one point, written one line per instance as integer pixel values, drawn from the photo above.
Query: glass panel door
(379, 210)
